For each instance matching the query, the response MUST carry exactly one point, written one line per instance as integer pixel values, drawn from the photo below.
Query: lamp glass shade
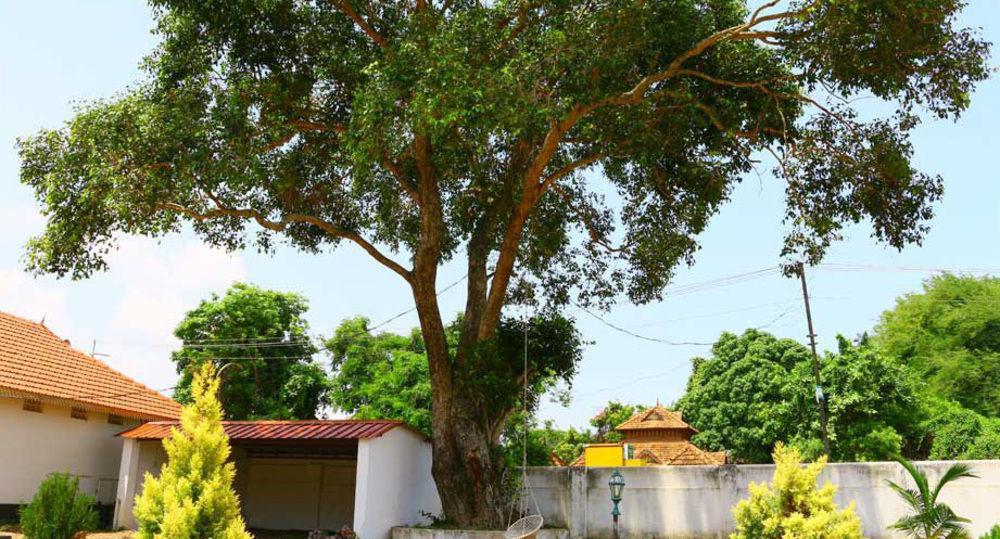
(617, 484)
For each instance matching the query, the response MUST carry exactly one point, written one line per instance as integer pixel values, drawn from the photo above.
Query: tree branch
(345, 6)
(280, 226)
(569, 168)
(595, 237)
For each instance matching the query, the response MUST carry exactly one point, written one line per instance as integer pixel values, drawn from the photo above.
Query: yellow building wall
(603, 455)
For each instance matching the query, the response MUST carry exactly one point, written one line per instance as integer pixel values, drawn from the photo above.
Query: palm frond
(911, 497)
(954, 472)
(919, 478)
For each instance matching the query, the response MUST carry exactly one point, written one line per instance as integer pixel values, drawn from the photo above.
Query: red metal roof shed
(315, 429)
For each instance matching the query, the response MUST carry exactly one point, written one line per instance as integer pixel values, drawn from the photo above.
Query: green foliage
(791, 507)
(58, 510)
(929, 518)
(193, 496)
(949, 335)
(285, 114)
(386, 375)
(873, 407)
(757, 390)
(380, 376)
(264, 336)
(738, 398)
(994, 533)
(543, 441)
(440, 130)
(954, 432)
(613, 414)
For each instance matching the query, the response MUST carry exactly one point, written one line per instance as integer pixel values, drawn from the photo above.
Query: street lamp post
(617, 484)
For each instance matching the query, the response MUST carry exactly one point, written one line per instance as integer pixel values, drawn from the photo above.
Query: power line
(637, 335)
(839, 266)
(367, 330)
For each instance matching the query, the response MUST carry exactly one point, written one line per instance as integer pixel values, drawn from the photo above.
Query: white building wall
(137, 458)
(33, 445)
(394, 484)
(696, 501)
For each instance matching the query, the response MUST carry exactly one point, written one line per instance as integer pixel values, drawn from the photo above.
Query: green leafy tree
(386, 375)
(193, 496)
(949, 335)
(757, 390)
(929, 518)
(613, 414)
(264, 338)
(58, 510)
(572, 444)
(994, 533)
(383, 376)
(791, 507)
(423, 131)
(953, 432)
(739, 397)
(873, 406)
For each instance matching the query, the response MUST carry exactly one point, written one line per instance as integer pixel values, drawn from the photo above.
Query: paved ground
(258, 534)
(97, 535)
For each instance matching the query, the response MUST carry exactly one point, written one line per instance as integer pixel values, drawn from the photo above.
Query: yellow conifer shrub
(193, 497)
(791, 507)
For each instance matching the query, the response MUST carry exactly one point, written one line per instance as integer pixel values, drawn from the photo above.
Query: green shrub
(792, 507)
(59, 510)
(994, 533)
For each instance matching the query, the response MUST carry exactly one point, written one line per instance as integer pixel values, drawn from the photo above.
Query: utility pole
(820, 398)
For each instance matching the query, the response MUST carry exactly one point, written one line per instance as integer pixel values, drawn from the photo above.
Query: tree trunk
(468, 475)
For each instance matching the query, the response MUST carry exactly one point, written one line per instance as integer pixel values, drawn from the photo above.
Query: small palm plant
(930, 519)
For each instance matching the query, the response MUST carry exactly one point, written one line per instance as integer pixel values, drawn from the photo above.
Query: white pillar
(577, 502)
(128, 482)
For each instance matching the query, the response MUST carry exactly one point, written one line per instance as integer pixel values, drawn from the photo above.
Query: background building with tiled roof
(60, 410)
(653, 437)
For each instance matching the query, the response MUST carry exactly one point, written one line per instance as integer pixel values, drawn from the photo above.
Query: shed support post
(128, 482)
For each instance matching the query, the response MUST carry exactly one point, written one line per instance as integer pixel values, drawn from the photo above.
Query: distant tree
(874, 408)
(757, 390)
(953, 432)
(572, 444)
(424, 131)
(739, 398)
(380, 376)
(613, 414)
(193, 494)
(949, 335)
(263, 335)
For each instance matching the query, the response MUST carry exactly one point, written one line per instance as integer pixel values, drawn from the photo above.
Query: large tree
(949, 335)
(259, 340)
(577, 148)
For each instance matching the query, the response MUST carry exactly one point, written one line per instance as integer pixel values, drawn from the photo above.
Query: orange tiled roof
(656, 417)
(300, 429)
(34, 362)
(677, 454)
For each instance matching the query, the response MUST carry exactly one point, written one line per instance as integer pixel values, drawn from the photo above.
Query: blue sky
(55, 53)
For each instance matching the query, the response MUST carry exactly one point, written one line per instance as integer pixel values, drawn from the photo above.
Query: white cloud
(22, 296)
(132, 309)
(158, 285)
